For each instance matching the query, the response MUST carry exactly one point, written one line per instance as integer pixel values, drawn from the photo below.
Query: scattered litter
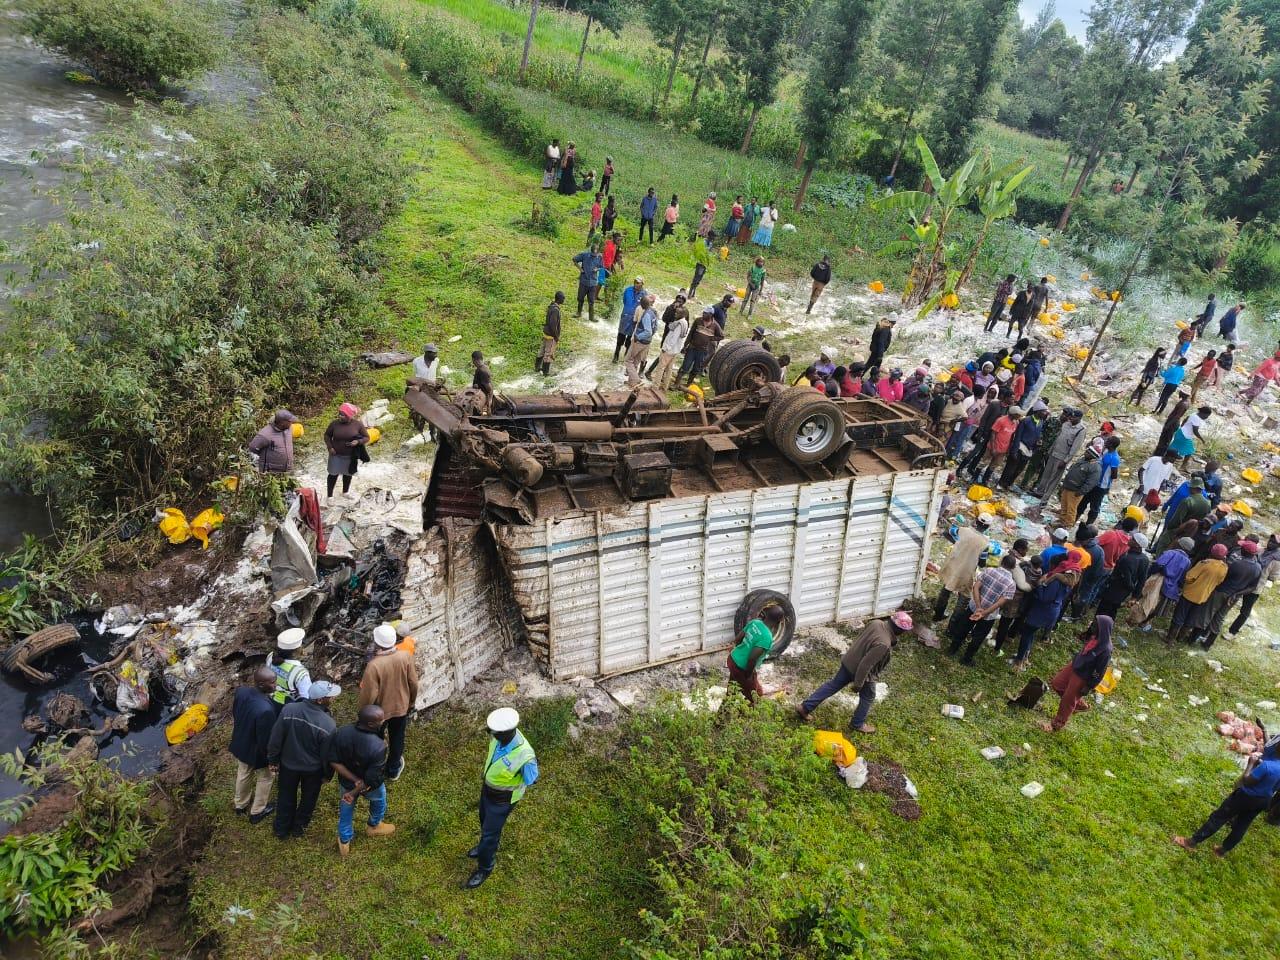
(509, 688)
(625, 696)
(191, 721)
(954, 711)
(912, 792)
(992, 753)
(1265, 704)
(855, 774)
(1140, 717)
(708, 699)
(1108, 774)
(1214, 665)
(1156, 688)
(1032, 789)
(1246, 736)
(1197, 701)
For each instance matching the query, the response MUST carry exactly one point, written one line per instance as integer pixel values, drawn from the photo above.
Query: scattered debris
(888, 778)
(855, 774)
(18, 658)
(992, 753)
(1032, 789)
(1197, 701)
(954, 711)
(1108, 774)
(1246, 736)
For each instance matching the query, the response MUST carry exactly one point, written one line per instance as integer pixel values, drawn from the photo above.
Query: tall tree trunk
(1132, 177)
(582, 51)
(528, 38)
(800, 154)
(1066, 168)
(1086, 172)
(1124, 285)
(925, 68)
(967, 272)
(751, 129)
(675, 59)
(702, 64)
(804, 185)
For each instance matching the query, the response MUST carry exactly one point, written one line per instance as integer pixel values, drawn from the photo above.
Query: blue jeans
(1026, 642)
(958, 438)
(347, 812)
(493, 817)
(866, 696)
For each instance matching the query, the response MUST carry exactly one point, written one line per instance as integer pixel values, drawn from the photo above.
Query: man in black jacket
(298, 754)
(1127, 579)
(252, 716)
(821, 276)
(358, 755)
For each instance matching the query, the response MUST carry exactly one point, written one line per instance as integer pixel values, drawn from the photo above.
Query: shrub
(179, 300)
(129, 43)
(731, 795)
(1255, 262)
(1037, 205)
(49, 878)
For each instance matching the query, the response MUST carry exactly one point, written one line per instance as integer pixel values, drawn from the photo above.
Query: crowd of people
(283, 733)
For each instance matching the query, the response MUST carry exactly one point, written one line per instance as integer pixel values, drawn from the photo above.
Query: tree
(912, 55)
(668, 21)
(832, 65)
(757, 56)
(930, 214)
(714, 13)
(1126, 39)
(1257, 195)
(996, 195)
(607, 13)
(528, 38)
(1046, 59)
(1208, 98)
(984, 25)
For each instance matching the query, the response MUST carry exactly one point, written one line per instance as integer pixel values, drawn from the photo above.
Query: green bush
(1037, 205)
(49, 878)
(1255, 262)
(129, 43)
(739, 872)
(179, 301)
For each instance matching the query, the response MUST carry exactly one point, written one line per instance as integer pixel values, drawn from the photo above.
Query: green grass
(559, 33)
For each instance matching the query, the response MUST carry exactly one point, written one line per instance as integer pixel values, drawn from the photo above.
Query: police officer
(509, 769)
(293, 680)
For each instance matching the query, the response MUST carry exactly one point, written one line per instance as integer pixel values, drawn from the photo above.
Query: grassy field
(1084, 870)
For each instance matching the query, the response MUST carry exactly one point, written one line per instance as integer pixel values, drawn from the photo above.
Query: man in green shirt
(755, 286)
(751, 645)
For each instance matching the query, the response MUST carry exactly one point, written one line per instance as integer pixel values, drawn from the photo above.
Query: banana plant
(996, 193)
(930, 214)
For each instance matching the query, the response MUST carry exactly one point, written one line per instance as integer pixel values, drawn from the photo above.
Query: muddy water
(140, 752)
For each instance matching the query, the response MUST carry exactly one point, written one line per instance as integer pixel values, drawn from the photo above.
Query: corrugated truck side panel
(662, 580)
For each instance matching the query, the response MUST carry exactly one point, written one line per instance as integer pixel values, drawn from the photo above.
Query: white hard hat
(503, 719)
(291, 639)
(384, 636)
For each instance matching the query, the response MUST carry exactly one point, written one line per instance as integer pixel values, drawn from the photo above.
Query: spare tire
(746, 368)
(778, 406)
(806, 430)
(723, 352)
(754, 604)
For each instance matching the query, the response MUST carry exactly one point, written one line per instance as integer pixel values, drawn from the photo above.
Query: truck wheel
(808, 431)
(779, 405)
(723, 352)
(754, 604)
(746, 368)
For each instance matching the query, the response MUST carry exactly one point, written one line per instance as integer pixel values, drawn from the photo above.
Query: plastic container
(1242, 508)
(297, 430)
(953, 710)
(1252, 475)
(741, 293)
(832, 744)
(992, 753)
(1032, 790)
(190, 722)
(374, 434)
(876, 286)
(1108, 682)
(977, 493)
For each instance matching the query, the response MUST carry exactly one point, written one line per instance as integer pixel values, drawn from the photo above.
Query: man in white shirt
(427, 366)
(1151, 477)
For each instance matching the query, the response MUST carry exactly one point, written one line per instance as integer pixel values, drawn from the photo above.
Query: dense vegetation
(180, 299)
(131, 43)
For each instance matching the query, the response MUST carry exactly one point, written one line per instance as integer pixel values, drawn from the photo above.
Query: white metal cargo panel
(610, 591)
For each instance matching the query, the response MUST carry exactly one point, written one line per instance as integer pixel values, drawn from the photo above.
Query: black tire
(746, 368)
(808, 431)
(724, 351)
(779, 405)
(754, 604)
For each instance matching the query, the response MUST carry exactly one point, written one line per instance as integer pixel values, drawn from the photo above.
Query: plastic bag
(204, 524)
(855, 774)
(173, 524)
(190, 722)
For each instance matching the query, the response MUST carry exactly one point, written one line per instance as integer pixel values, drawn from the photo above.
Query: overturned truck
(621, 533)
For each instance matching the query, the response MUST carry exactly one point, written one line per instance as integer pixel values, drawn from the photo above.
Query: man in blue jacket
(631, 297)
(648, 210)
(589, 263)
(252, 717)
